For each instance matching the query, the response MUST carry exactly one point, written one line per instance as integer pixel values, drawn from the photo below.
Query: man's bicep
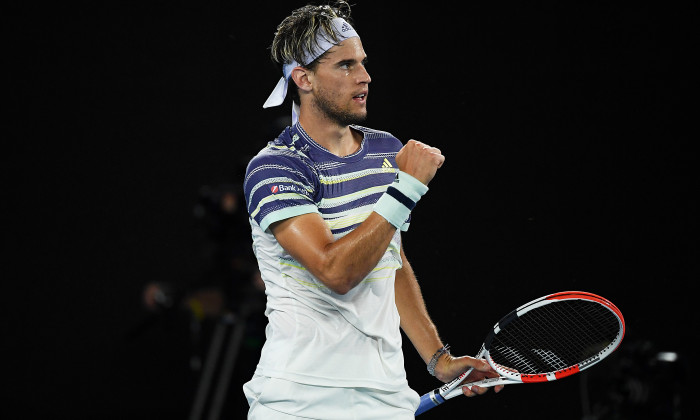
(304, 237)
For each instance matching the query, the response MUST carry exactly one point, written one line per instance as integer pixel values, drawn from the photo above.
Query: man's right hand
(420, 160)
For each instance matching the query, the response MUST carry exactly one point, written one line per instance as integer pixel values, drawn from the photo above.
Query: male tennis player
(328, 200)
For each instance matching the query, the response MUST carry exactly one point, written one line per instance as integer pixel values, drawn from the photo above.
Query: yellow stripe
(306, 283)
(291, 264)
(376, 279)
(345, 221)
(352, 176)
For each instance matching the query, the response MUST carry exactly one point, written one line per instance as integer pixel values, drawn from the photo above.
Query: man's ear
(301, 77)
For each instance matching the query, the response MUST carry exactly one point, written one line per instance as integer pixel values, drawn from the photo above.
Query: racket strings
(554, 336)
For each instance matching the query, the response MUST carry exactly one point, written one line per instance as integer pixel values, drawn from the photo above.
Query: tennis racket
(547, 339)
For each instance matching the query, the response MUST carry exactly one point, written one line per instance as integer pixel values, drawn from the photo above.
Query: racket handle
(484, 383)
(428, 401)
(435, 397)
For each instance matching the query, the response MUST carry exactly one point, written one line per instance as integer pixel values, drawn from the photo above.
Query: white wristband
(400, 198)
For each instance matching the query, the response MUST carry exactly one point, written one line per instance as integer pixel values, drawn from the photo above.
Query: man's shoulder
(374, 133)
(275, 159)
(280, 158)
(379, 141)
(281, 149)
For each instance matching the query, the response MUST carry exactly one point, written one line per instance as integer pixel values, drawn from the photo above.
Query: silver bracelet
(436, 357)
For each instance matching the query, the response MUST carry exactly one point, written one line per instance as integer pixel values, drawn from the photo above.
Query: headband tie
(342, 30)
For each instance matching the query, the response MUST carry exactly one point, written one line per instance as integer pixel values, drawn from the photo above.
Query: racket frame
(516, 377)
(507, 376)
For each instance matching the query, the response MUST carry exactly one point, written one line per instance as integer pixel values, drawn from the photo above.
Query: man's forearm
(415, 321)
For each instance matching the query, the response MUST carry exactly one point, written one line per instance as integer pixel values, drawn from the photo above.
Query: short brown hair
(296, 35)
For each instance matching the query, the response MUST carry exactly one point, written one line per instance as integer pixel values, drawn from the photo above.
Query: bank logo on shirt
(282, 188)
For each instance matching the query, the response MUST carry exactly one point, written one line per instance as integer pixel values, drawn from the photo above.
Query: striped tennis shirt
(314, 335)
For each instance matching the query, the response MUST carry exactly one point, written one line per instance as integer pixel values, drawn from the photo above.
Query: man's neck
(337, 139)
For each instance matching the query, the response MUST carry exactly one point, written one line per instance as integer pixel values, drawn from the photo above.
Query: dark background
(567, 135)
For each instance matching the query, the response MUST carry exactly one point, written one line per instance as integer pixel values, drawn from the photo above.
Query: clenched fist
(420, 160)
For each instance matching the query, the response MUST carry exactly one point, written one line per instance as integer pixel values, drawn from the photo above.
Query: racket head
(554, 336)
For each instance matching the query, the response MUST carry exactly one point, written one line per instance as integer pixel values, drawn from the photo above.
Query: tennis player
(328, 200)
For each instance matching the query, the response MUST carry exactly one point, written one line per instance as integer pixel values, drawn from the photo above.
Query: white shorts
(278, 399)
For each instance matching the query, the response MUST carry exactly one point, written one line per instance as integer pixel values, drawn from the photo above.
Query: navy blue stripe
(398, 195)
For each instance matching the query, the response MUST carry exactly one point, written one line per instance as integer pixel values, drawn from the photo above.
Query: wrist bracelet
(400, 198)
(436, 357)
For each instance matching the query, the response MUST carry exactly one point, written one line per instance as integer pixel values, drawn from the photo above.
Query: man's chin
(358, 118)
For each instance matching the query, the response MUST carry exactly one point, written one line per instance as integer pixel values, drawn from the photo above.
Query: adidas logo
(386, 164)
(345, 27)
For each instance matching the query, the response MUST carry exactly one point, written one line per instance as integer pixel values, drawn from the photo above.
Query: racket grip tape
(428, 401)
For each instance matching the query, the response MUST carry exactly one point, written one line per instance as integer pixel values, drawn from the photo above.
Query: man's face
(340, 83)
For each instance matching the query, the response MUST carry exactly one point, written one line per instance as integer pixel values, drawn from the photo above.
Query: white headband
(342, 30)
